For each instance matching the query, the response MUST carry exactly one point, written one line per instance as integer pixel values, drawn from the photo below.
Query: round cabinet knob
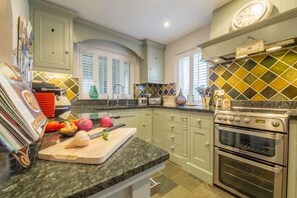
(172, 126)
(275, 123)
(225, 118)
(172, 147)
(172, 116)
(143, 124)
(66, 52)
(237, 119)
(206, 143)
(198, 120)
(220, 117)
(172, 136)
(246, 120)
(231, 118)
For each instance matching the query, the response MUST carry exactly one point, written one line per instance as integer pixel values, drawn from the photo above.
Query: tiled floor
(176, 183)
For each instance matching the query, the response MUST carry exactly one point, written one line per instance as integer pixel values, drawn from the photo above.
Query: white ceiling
(144, 19)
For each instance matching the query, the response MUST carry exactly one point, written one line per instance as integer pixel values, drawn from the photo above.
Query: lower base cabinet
(187, 136)
(141, 119)
(292, 166)
(200, 145)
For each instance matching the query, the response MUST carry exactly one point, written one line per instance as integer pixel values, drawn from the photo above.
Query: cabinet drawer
(173, 138)
(173, 127)
(173, 148)
(201, 121)
(173, 116)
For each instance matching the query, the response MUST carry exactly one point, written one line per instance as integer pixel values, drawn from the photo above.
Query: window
(106, 70)
(192, 73)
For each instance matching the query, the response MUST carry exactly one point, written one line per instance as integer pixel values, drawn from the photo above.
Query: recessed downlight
(273, 48)
(166, 24)
(216, 60)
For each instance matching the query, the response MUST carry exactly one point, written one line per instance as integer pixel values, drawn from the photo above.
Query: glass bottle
(93, 92)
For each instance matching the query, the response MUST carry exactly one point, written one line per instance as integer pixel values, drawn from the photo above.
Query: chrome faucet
(122, 90)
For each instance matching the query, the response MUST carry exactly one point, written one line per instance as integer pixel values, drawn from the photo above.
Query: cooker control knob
(237, 119)
(246, 120)
(220, 117)
(231, 118)
(225, 118)
(275, 123)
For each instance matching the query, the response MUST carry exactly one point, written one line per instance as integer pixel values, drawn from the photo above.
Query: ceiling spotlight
(166, 24)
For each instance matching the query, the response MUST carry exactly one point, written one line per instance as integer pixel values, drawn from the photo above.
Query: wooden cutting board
(95, 153)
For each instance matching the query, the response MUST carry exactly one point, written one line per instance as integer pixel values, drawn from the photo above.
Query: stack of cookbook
(21, 119)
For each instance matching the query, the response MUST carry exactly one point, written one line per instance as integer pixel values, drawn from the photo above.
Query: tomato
(52, 126)
(61, 125)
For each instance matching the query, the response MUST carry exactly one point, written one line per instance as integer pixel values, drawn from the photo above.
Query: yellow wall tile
(279, 84)
(258, 97)
(259, 85)
(241, 86)
(241, 73)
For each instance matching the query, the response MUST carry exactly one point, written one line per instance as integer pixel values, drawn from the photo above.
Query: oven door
(249, 178)
(268, 146)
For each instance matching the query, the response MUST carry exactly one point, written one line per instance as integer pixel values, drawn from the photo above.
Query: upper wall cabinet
(152, 67)
(53, 45)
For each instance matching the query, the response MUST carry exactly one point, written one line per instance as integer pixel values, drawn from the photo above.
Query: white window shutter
(127, 77)
(102, 74)
(115, 75)
(184, 74)
(87, 71)
(192, 73)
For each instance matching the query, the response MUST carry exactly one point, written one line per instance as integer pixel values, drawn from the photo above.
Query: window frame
(110, 55)
(190, 53)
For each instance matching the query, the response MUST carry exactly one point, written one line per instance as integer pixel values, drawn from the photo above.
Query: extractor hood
(281, 28)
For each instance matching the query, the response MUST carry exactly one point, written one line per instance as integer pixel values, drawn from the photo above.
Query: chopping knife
(100, 133)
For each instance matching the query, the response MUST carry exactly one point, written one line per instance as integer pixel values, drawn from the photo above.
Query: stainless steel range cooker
(251, 149)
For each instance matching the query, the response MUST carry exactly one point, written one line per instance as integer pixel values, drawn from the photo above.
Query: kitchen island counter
(60, 179)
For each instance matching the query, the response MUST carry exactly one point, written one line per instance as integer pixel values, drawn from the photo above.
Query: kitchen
(77, 52)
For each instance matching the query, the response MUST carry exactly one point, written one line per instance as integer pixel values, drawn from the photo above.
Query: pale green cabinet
(152, 67)
(128, 117)
(53, 45)
(200, 145)
(146, 124)
(174, 136)
(158, 128)
(292, 167)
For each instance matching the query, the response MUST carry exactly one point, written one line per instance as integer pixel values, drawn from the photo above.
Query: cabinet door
(128, 117)
(155, 65)
(52, 41)
(158, 128)
(146, 124)
(292, 167)
(200, 141)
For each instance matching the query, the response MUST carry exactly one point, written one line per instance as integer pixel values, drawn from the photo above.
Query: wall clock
(250, 13)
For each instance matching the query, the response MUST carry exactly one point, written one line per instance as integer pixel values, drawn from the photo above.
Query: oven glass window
(260, 145)
(249, 180)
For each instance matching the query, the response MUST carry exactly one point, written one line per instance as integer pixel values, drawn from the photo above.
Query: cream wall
(19, 8)
(184, 44)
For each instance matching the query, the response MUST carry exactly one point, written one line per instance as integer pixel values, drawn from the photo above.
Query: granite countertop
(98, 109)
(60, 179)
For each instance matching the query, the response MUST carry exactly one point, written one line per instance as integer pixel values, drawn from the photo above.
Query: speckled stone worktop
(60, 179)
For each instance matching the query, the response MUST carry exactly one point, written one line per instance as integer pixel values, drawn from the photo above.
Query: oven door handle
(276, 136)
(275, 169)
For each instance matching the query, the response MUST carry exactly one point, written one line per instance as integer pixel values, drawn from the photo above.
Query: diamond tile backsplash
(265, 77)
(155, 90)
(64, 81)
